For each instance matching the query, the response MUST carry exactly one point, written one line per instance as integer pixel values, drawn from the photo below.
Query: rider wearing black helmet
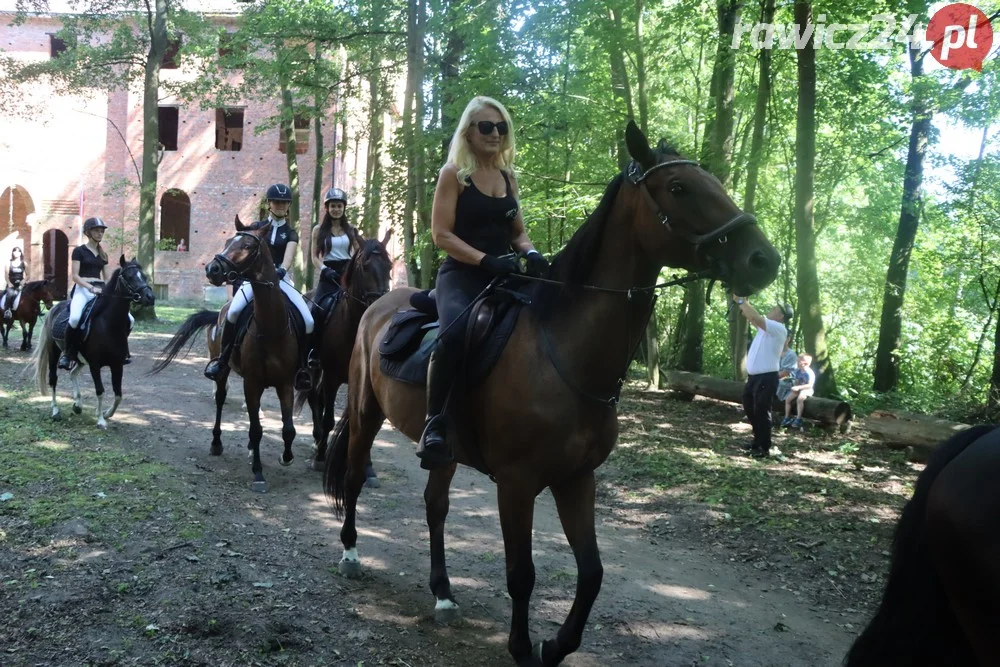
(334, 242)
(282, 242)
(89, 274)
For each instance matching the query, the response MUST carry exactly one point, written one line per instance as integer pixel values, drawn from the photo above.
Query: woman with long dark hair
(334, 242)
(16, 270)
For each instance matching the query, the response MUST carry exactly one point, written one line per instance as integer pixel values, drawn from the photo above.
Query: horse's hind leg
(26, 336)
(221, 389)
(116, 386)
(517, 508)
(286, 397)
(436, 501)
(365, 423)
(575, 503)
(317, 406)
(4, 330)
(53, 377)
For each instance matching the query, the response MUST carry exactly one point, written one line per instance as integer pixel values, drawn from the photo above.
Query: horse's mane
(34, 285)
(104, 299)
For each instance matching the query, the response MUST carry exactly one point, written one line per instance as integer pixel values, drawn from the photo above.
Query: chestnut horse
(940, 605)
(268, 355)
(365, 279)
(546, 415)
(28, 309)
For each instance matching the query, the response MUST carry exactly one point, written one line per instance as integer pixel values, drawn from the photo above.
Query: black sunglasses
(486, 127)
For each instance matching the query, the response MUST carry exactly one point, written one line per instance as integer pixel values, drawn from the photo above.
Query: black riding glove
(499, 266)
(538, 266)
(281, 271)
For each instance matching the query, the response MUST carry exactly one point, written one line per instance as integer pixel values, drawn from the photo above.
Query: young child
(805, 379)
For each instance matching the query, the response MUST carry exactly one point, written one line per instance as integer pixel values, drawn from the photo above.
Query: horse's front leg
(251, 395)
(436, 503)
(575, 503)
(26, 336)
(74, 375)
(286, 396)
(517, 508)
(221, 390)
(95, 373)
(4, 329)
(317, 406)
(116, 386)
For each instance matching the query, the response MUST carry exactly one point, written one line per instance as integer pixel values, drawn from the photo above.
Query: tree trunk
(903, 429)
(890, 327)
(373, 165)
(317, 192)
(691, 328)
(414, 80)
(291, 161)
(621, 89)
(818, 409)
(807, 284)
(151, 155)
(759, 117)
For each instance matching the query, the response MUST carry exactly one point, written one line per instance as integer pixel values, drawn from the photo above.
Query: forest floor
(134, 546)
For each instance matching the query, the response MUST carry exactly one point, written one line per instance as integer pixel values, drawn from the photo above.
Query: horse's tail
(335, 474)
(39, 363)
(909, 622)
(190, 327)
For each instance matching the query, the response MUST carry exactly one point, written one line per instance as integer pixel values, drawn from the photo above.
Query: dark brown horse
(942, 599)
(269, 353)
(33, 295)
(546, 415)
(365, 279)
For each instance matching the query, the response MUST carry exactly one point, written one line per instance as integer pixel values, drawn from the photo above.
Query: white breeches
(245, 295)
(81, 298)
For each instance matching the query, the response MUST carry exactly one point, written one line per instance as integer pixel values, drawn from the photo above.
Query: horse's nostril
(758, 261)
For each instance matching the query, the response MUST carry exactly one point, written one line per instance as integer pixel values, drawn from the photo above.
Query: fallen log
(825, 410)
(918, 434)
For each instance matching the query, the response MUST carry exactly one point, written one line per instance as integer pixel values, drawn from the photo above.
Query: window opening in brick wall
(56, 46)
(302, 124)
(169, 123)
(175, 221)
(229, 128)
(171, 56)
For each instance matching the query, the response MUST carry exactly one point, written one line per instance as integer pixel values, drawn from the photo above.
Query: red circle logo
(962, 36)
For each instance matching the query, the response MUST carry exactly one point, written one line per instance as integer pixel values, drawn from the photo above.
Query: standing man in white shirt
(762, 370)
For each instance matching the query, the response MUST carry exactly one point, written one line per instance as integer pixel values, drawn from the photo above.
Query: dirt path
(251, 578)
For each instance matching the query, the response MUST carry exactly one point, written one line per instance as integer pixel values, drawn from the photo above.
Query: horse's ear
(385, 239)
(240, 227)
(121, 261)
(638, 145)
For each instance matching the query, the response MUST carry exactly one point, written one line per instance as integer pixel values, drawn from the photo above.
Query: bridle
(236, 272)
(369, 296)
(637, 177)
(132, 294)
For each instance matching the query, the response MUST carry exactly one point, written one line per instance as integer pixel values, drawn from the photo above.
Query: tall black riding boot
(307, 361)
(434, 451)
(68, 360)
(221, 363)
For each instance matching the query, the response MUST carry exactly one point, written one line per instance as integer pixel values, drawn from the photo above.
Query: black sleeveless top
(90, 264)
(16, 273)
(483, 221)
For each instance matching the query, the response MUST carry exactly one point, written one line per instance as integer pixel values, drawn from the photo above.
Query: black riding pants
(456, 287)
(331, 272)
(757, 397)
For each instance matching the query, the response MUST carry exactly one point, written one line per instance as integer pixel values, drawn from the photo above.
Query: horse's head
(243, 255)
(685, 219)
(47, 293)
(131, 283)
(367, 276)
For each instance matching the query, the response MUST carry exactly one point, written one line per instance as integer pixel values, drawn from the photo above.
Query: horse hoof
(282, 461)
(317, 464)
(77, 409)
(351, 569)
(215, 450)
(372, 483)
(446, 612)
(57, 416)
(102, 425)
(258, 486)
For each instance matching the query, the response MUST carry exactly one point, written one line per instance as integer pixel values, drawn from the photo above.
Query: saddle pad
(60, 321)
(476, 364)
(404, 334)
(246, 317)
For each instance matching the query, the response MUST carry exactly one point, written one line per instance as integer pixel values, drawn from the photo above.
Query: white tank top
(338, 248)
